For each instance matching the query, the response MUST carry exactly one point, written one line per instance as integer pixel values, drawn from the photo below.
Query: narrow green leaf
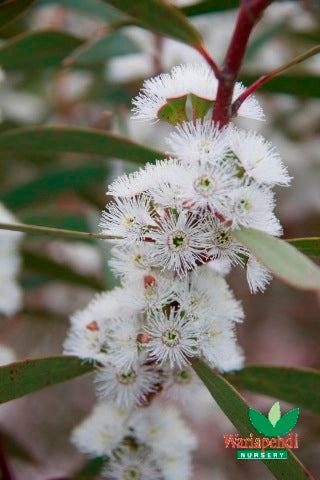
(59, 140)
(209, 6)
(287, 422)
(53, 183)
(281, 258)
(39, 263)
(304, 86)
(90, 7)
(274, 413)
(20, 378)
(161, 17)
(308, 246)
(299, 386)
(236, 409)
(109, 46)
(9, 10)
(38, 49)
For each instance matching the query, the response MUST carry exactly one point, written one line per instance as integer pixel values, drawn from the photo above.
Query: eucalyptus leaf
(21, 378)
(281, 258)
(160, 17)
(10, 11)
(236, 409)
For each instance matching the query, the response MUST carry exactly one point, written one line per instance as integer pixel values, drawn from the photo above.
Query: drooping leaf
(209, 6)
(20, 378)
(160, 17)
(236, 409)
(308, 246)
(261, 423)
(304, 86)
(39, 49)
(9, 10)
(287, 422)
(109, 46)
(281, 258)
(90, 7)
(299, 386)
(52, 183)
(58, 140)
(274, 413)
(41, 264)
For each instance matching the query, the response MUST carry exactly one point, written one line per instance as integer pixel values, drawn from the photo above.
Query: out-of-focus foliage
(72, 67)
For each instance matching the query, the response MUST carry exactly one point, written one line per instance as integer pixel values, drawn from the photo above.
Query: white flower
(181, 384)
(151, 292)
(217, 340)
(176, 466)
(257, 157)
(127, 218)
(257, 275)
(129, 387)
(87, 337)
(223, 244)
(200, 141)
(252, 206)
(172, 339)
(162, 428)
(250, 108)
(133, 262)
(206, 186)
(101, 431)
(122, 335)
(183, 80)
(132, 464)
(180, 243)
(197, 79)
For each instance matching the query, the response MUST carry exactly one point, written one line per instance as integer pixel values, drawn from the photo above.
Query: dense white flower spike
(10, 291)
(164, 97)
(174, 224)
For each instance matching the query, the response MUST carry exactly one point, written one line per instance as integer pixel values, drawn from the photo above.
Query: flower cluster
(174, 222)
(10, 291)
(146, 444)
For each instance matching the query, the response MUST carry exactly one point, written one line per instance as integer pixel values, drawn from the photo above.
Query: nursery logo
(273, 444)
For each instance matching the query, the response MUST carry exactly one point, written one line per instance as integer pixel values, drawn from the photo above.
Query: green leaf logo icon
(274, 425)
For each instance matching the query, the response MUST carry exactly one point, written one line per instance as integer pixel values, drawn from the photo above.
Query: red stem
(202, 50)
(249, 14)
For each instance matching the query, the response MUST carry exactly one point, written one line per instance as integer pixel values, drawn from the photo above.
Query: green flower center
(243, 206)
(204, 185)
(127, 378)
(132, 473)
(178, 240)
(222, 239)
(171, 337)
(183, 377)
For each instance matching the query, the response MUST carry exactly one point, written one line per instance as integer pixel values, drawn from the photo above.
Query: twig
(265, 78)
(54, 231)
(249, 14)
